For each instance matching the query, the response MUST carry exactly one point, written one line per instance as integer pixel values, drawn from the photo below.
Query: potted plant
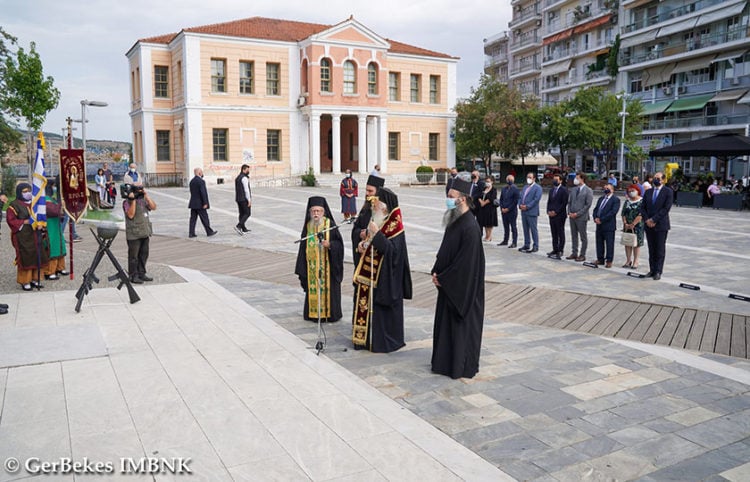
(441, 175)
(686, 196)
(728, 200)
(424, 174)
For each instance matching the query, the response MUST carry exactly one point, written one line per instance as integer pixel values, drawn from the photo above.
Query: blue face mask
(450, 203)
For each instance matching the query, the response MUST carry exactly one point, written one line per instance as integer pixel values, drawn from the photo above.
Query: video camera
(126, 189)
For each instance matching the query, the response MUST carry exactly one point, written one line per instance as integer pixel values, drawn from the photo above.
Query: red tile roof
(281, 30)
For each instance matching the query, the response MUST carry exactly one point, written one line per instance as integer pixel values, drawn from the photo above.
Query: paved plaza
(219, 369)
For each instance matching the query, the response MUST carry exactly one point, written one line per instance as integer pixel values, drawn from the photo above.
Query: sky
(82, 43)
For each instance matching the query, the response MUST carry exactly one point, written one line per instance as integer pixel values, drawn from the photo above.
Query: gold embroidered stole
(366, 278)
(317, 261)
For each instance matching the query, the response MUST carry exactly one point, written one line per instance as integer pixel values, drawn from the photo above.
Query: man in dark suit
(451, 178)
(199, 203)
(605, 217)
(476, 192)
(528, 203)
(657, 202)
(509, 211)
(557, 204)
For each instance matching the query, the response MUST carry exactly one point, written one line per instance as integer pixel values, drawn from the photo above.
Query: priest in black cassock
(359, 230)
(458, 274)
(382, 278)
(320, 262)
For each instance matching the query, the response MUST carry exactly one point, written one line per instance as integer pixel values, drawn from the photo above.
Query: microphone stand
(320, 345)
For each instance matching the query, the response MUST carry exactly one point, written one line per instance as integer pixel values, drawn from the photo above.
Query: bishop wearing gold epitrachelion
(320, 262)
(382, 278)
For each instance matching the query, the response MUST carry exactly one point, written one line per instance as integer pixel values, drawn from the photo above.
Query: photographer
(137, 204)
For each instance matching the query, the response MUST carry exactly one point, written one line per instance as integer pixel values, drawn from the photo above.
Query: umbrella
(723, 144)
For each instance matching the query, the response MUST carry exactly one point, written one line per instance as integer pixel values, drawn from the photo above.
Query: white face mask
(576, 181)
(529, 180)
(27, 196)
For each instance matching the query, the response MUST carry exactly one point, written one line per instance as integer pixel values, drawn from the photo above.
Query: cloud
(83, 44)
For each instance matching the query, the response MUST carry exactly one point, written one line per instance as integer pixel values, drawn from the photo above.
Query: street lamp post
(84, 103)
(623, 115)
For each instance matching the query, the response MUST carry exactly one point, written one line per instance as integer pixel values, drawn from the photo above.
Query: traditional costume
(348, 191)
(314, 261)
(459, 314)
(363, 218)
(29, 240)
(382, 280)
(56, 264)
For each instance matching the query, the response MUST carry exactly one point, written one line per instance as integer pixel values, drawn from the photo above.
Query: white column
(383, 143)
(336, 139)
(372, 143)
(315, 142)
(362, 142)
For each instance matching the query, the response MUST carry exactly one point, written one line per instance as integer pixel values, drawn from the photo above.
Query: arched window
(325, 75)
(372, 79)
(350, 78)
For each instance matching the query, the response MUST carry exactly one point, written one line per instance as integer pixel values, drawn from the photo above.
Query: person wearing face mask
(132, 176)
(557, 203)
(509, 196)
(655, 208)
(476, 192)
(458, 274)
(487, 214)
(348, 190)
(198, 204)
(31, 243)
(633, 222)
(359, 227)
(580, 200)
(528, 203)
(605, 217)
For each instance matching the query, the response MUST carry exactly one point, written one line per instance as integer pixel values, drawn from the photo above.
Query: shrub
(308, 179)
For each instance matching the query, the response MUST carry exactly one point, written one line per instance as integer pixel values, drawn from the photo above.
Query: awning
(677, 27)
(592, 24)
(745, 99)
(692, 64)
(557, 68)
(558, 36)
(657, 75)
(656, 107)
(729, 95)
(724, 12)
(730, 55)
(634, 4)
(690, 103)
(639, 39)
(603, 51)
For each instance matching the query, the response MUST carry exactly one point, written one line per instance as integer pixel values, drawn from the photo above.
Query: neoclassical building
(284, 96)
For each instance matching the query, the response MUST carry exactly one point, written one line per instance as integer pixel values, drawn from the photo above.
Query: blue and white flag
(38, 186)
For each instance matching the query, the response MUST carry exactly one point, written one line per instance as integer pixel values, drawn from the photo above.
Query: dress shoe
(62, 272)
(239, 230)
(552, 253)
(533, 250)
(146, 277)
(657, 276)
(136, 280)
(51, 276)
(26, 287)
(3, 311)
(36, 284)
(512, 246)
(650, 274)
(3, 306)
(572, 256)
(212, 233)
(555, 256)
(581, 258)
(504, 243)
(192, 235)
(598, 263)
(524, 249)
(608, 264)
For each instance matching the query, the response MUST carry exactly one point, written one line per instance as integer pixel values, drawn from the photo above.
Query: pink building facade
(286, 96)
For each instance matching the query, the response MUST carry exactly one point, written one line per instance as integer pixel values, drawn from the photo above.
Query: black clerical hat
(375, 181)
(316, 201)
(388, 197)
(464, 187)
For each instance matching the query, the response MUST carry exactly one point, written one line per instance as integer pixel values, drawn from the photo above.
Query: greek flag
(38, 186)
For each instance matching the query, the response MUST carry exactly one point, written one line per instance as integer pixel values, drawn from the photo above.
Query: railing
(573, 19)
(679, 46)
(173, 179)
(670, 14)
(526, 40)
(495, 59)
(696, 121)
(525, 14)
(526, 67)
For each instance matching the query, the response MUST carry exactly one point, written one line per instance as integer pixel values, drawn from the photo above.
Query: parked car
(550, 171)
(626, 175)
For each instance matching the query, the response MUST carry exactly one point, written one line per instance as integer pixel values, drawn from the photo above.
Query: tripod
(104, 235)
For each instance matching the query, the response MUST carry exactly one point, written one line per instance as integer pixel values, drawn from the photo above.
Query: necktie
(601, 206)
(656, 193)
(554, 194)
(523, 201)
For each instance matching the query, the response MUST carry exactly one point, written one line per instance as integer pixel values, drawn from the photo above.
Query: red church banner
(73, 187)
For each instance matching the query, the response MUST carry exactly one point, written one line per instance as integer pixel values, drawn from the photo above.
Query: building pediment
(350, 32)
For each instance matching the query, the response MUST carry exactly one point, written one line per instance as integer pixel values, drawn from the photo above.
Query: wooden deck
(691, 329)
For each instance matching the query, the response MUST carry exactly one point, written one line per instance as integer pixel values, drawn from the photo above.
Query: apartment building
(687, 62)
(285, 96)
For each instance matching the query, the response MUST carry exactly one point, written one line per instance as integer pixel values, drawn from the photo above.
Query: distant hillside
(97, 150)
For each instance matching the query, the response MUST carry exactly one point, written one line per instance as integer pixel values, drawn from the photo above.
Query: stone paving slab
(43, 344)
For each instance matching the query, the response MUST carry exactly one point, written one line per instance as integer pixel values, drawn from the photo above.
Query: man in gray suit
(580, 199)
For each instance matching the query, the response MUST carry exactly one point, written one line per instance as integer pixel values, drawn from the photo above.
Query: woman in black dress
(487, 213)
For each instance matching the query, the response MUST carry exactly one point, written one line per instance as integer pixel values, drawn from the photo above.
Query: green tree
(10, 138)
(28, 93)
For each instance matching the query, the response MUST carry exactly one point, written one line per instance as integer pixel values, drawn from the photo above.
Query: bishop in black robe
(359, 229)
(329, 245)
(378, 315)
(459, 275)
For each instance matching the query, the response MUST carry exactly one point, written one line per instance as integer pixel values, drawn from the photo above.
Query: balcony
(525, 41)
(496, 59)
(531, 12)
(697, 121)
(678, 46)
(525, 67)
(670, 14)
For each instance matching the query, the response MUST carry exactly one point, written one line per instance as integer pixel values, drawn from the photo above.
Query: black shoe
(552, 253)
(51, 276)
(504, 243)
(212, 233)
(239, 230)
(146, 277)
(533, 250)
(650, 274)
(62, 272)
(3, 306)
(192, 236)
(136, 280)
(3, 311)
(26, 287)
(555, 256)
(512, 246)
(657, 276)
(245, 230)
(524, 249)
(36, 284)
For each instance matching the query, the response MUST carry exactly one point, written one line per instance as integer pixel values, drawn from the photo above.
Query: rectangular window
(161, 81)
(372, 80)
(162, 146)
(218, 75)
(393, 86)
(434, 143)
(246, 77)
(273, 145)
(434, 89)
(414, 87)
(273, 72)
(394, 144)
(220, 144)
